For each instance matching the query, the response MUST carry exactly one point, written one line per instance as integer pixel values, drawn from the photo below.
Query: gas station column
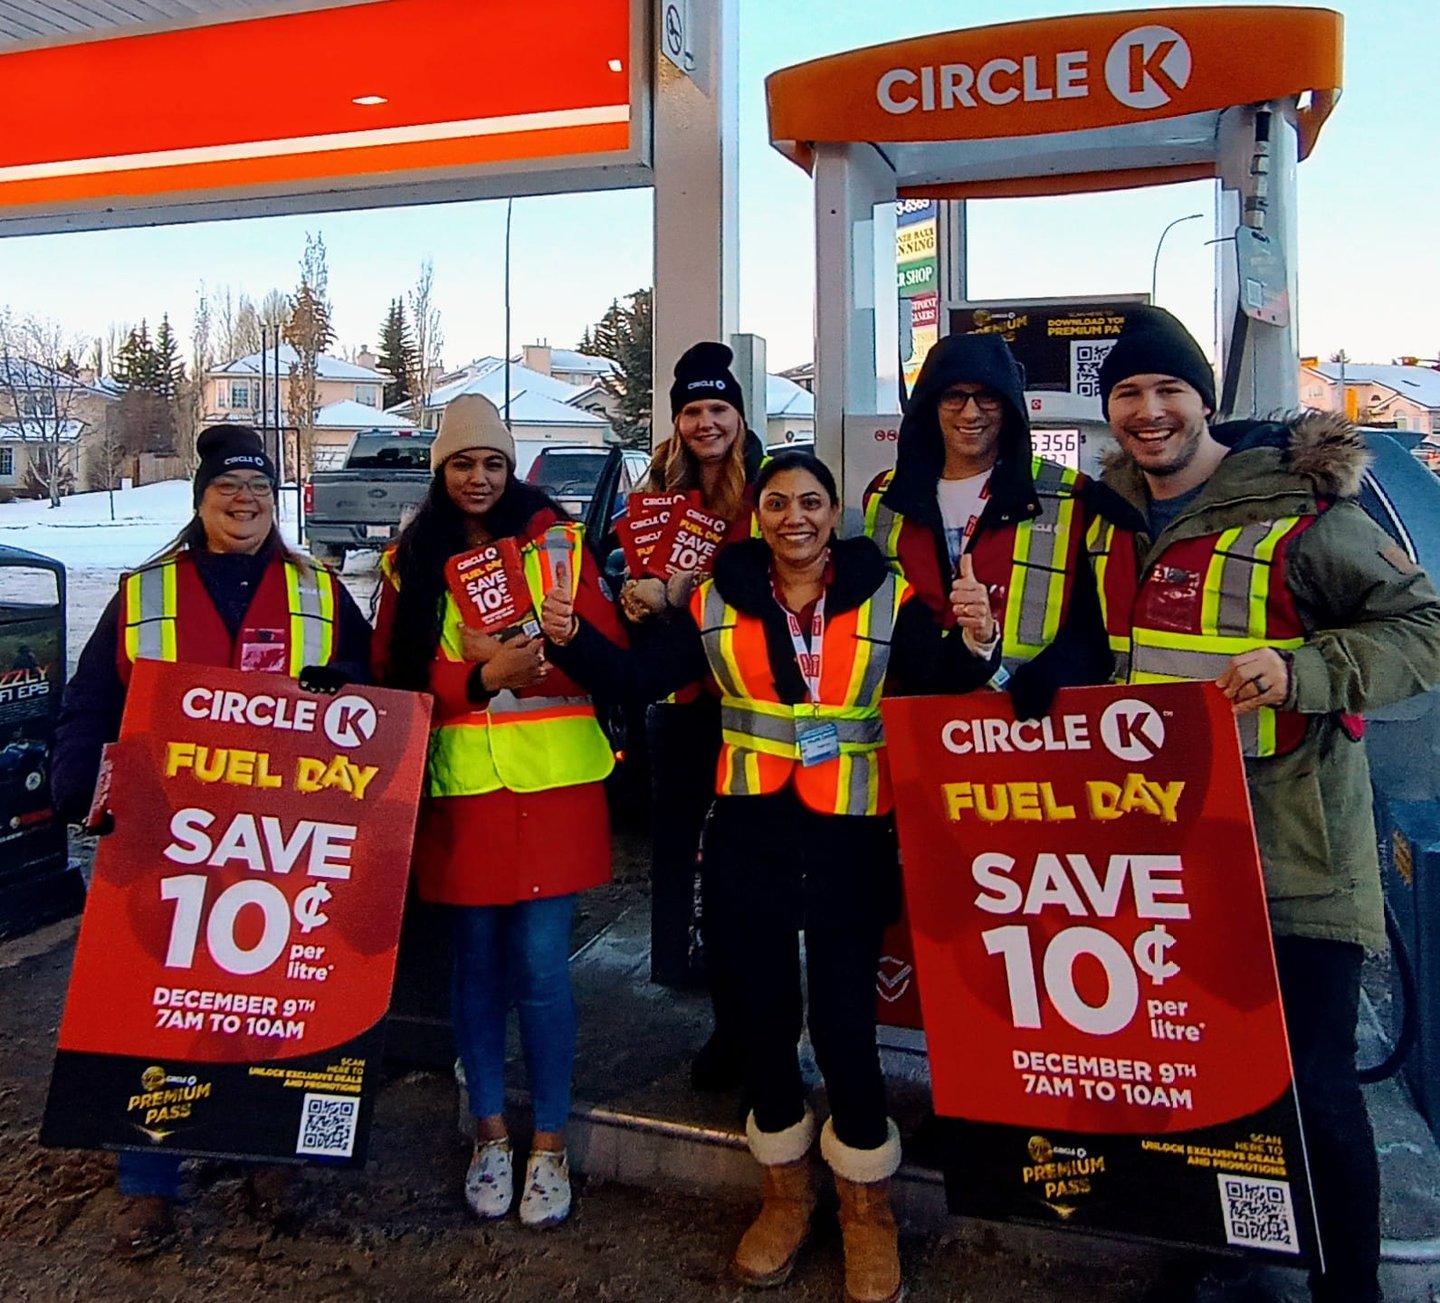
(696, 141)
(852, 284)
(1257, 285)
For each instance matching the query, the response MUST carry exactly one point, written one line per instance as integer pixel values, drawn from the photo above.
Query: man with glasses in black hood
(974, 519)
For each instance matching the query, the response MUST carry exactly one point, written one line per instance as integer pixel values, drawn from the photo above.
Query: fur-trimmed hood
(1316, 454)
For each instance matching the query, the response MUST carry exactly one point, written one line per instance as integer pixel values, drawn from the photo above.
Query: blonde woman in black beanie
(710, 450)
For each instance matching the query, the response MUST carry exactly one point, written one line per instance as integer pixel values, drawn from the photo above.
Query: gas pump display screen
(1060, 446)
(1060, 346)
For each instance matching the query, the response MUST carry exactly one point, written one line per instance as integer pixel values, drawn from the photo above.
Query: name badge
(263, 651)
(819, 741)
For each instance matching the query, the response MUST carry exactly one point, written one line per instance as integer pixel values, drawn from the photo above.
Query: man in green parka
(1237, 553)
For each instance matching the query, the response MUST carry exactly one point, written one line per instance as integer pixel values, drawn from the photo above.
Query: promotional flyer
(488, 585)
(235, 959)
(1095, 967)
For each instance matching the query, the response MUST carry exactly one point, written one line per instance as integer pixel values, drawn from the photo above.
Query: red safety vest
(166, 615)
(1203, 601)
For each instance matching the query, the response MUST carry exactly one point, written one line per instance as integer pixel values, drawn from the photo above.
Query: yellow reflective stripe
(1260, 576)
(312, 617)
(1230, 644)
(150, 613)
(1215, 578)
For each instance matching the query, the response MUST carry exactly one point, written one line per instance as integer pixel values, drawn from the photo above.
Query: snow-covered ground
(96, 550)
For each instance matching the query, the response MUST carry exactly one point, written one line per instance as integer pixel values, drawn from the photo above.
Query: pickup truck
(363, 504)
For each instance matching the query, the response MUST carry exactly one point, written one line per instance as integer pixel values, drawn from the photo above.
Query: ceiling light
(616, 66)
(368, 101)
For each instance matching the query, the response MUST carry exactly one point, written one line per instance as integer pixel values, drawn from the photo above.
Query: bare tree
(429, 339)
(308, 331)
(41, 398)
(190, 401)
(274, 309)
(109, 458)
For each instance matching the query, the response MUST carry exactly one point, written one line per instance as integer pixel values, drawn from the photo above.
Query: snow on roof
(347, 414)
(1420, 384)
(23, 373)
(326, 366)
(535, 399)
(784, 398)
(31, 431)
(566, 359)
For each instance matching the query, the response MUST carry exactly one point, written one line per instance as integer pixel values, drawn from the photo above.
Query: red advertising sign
(238, 946)
(643, 525)
(690, 542)
(1094, 960)
(489, 587)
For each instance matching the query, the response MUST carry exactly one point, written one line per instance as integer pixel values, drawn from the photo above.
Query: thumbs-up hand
(970, 600)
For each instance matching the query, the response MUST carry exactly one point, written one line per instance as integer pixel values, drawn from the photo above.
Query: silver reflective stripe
(1176, 663)
(1034, 575)
(751, 723)
(1122, 668)
(713, 628)
(879, 630)
(317, 640)
(861, 770)
(1237, 564)
(1249, 725)
(735, 718)
(150, 627)
(506, 702)
(740, 776)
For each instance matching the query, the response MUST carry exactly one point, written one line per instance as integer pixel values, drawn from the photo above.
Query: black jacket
(94, 698)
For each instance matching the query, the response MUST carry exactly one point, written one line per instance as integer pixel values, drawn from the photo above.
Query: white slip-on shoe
(490, 1182)
(546, 1200)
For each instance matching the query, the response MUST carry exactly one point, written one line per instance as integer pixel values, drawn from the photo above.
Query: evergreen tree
(397, 353)
(625, 334)
(69, 366)
(169, 368)
(136, 364)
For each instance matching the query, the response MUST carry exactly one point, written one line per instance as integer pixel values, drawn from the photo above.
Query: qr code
(1085, 359)
(1258, 1213)
(327, 1125)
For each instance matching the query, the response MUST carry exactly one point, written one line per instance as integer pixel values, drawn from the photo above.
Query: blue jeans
(149, 1172)
(521, 954)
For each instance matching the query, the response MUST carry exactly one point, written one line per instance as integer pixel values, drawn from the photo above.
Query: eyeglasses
(954, 400)
(227, 486)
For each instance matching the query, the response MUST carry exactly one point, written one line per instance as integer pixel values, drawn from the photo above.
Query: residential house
(41, 407)
(789, 412)
(541, 406)
(1394, 397)
(583, 370)
(233, 393)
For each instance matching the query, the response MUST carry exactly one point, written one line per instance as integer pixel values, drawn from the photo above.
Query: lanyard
(808, 659)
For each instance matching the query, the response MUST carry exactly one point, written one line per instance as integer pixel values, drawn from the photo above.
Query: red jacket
(504, 847)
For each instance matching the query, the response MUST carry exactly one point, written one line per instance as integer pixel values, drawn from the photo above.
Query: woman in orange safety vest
(802, 633)
(515, 752)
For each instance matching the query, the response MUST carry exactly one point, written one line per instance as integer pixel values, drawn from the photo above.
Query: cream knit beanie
(470, 421)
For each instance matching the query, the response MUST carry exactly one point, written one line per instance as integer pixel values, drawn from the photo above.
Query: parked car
(364, 504)
(570, 474)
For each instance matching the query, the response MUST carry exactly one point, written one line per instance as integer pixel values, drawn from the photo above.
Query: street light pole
(1155, 264)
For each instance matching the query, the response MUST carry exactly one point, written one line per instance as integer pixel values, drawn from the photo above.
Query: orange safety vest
(760, 749)
(1201, 602)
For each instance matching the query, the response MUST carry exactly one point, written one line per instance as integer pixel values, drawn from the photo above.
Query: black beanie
(226, 448)
(703, 371)
(1153, 342)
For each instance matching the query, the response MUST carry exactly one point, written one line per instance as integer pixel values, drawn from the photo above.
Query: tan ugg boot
(767, 1251)
(867, 1223)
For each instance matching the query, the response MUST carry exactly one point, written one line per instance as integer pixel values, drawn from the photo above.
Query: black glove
(1032, 691)
(324, 679)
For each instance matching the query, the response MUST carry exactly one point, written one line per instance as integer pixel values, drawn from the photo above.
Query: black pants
(1320, 988)
(776, 868)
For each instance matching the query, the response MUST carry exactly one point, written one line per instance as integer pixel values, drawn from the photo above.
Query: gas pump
(1051, 107)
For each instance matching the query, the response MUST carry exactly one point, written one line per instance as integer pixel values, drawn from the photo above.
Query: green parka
(1372, 621)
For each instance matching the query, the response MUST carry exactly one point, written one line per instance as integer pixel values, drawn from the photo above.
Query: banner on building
(1095, 967)
(236, 955)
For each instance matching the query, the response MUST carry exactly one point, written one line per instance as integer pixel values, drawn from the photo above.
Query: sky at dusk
(1368, 199)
